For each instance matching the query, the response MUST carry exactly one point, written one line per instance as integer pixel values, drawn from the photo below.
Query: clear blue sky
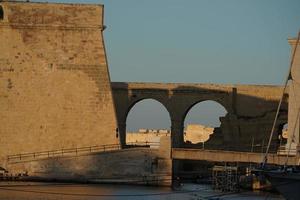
(218, 41)
(214, 41)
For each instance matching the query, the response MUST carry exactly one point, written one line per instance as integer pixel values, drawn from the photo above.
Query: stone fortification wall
(54, 82)
(294, 103)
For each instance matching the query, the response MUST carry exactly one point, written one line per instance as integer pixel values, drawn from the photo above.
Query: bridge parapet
(231, 156)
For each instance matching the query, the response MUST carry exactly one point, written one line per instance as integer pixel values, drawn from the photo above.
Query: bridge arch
(193, 104)
(179, 113)
(153, 114)
(202, 119)
(250, 112)
(136, 101)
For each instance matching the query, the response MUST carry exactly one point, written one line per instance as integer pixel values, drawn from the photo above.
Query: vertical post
(234, 97)
(262, 146)
(252, 148)
(252, 144)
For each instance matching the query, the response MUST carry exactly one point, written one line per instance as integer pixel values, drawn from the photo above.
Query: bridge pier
(177, 141)
(177, 133)
(122, 134)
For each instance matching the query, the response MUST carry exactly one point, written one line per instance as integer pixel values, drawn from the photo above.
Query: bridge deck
(230, 156)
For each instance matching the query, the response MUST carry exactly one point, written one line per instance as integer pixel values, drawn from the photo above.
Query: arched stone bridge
(251, 109)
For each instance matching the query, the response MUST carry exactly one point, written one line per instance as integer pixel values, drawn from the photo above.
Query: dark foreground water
(51, 191)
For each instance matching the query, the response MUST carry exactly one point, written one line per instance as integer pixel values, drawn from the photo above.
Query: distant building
(196, 133)
(146, 135)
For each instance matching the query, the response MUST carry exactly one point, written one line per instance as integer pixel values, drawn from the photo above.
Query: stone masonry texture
(54, 83)
(294, 103)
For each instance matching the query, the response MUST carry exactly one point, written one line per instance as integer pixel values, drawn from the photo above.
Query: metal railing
(75, 151)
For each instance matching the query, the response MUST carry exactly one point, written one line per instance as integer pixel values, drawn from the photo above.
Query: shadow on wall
(251, 110)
